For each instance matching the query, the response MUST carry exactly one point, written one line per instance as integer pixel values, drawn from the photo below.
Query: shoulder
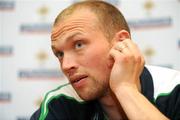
(62, 103)
(166, 84)
(62, 92)
(164, 79)
(58, 96)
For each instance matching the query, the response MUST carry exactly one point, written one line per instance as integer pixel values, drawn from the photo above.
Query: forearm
(135, 105)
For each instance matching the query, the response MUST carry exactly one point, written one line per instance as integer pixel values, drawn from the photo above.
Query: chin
(88, 97)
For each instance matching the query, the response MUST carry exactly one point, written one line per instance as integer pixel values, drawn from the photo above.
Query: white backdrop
(28, 68)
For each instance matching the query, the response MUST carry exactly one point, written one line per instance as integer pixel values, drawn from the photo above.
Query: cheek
(97, 61)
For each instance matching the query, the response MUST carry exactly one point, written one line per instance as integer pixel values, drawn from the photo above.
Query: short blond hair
(110, 18)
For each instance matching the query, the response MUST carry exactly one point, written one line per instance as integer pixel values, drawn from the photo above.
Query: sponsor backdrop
(28, 68)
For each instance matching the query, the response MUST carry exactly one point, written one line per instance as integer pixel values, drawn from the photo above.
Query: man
(92, 42)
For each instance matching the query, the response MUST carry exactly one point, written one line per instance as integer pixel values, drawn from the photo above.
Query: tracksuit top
(161, 86)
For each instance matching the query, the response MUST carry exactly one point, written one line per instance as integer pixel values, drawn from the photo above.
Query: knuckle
(127, 58)
(131, 56)
(138, 59)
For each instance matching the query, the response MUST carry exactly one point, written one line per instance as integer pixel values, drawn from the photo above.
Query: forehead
(82, 18)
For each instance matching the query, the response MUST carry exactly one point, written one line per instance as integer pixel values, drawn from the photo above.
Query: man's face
(83, 50)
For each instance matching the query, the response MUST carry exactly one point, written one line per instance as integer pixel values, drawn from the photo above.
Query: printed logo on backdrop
(40, 71)
(146, 23)
(41, 57)
(5, 97)
(148, 6)
(43, 12)
(39, 27)
(7, 5)
(40, 74)
(149, 52)
(6, 51)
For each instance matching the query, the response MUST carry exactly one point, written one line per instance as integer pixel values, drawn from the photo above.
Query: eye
(59, 55)
(79, 44)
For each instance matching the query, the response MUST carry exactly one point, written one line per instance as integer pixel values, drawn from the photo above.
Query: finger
(116, 54)
(133, 49)
(132, 46)
(123, 47)
(138, 57)
(120, 58)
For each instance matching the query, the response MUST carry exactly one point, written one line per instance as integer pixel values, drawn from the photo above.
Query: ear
(122, 35)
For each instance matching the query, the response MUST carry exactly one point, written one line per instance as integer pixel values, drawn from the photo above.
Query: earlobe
(122, 35)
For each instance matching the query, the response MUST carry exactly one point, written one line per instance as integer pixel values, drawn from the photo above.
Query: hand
(128, 65)
(125, 82)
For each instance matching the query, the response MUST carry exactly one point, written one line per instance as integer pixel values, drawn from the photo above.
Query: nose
(69, 64)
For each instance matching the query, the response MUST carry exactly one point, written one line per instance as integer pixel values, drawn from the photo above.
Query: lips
(77, 78)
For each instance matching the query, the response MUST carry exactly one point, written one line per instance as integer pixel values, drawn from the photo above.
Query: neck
(112, 107)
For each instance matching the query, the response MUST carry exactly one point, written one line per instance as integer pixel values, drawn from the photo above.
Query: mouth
(77, 78)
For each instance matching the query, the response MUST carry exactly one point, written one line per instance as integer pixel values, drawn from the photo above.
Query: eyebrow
(67, 39)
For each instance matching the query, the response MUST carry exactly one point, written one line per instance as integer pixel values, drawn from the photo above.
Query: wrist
(124, 88)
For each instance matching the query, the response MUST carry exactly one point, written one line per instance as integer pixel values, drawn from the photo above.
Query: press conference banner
(28, 68)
